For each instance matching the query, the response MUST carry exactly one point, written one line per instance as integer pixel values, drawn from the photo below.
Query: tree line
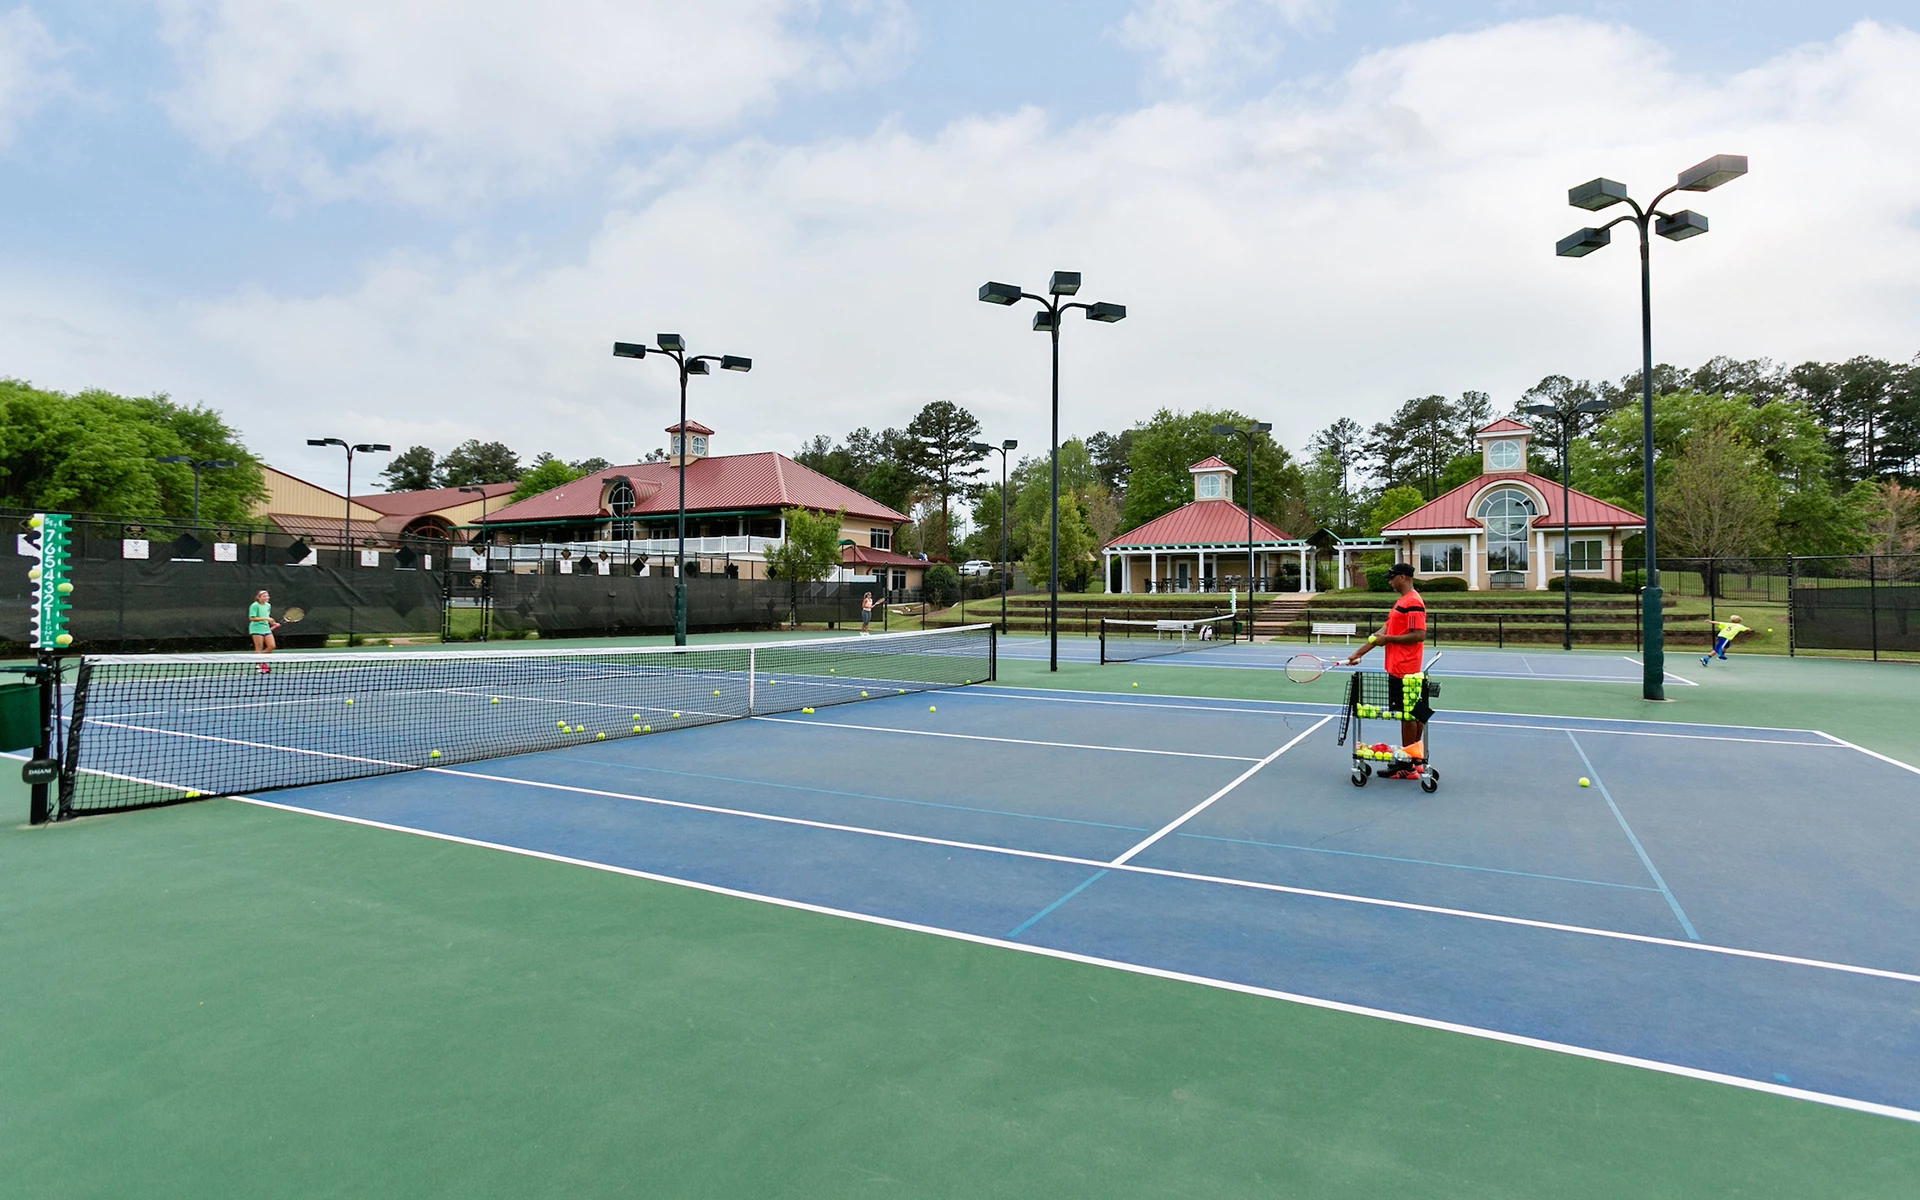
(474, 462)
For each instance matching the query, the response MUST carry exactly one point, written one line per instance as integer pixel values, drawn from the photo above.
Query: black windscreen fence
(592, 605)
(1884, 617)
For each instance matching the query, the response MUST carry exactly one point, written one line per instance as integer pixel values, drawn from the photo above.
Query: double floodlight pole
(1006, 568)
(1568, 418)
(1060, 288)
(352, 449)
(198, 465)
(673, 346)
(1597, 194)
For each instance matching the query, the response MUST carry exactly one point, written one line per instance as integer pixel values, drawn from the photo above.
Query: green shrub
(941, 586)
(1442, 583)
(1607, 586)
(1377, 579)
(1632, 581)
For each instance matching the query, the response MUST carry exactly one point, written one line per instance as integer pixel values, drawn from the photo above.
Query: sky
(419, 221)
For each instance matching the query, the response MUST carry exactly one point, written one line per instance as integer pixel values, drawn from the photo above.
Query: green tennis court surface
(220, 998)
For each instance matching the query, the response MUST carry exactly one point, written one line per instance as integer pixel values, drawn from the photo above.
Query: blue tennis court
(1727, 902)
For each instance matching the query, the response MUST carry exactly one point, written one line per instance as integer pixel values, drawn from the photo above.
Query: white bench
(1334, 629)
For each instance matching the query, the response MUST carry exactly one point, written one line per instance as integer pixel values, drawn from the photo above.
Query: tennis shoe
(1406, 772)
(1705, 658)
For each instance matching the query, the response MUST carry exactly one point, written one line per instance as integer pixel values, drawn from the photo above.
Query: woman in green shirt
(260, 624)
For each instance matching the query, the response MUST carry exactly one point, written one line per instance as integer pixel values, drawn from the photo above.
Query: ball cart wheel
(1430, 782)
(1360, 774)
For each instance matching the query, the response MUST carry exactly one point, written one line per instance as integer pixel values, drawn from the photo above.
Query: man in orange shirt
(1403, 636)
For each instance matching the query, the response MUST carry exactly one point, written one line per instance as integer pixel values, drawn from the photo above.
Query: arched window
(1506, 512)
(620, 503)
(1209, 487)
(699, 445)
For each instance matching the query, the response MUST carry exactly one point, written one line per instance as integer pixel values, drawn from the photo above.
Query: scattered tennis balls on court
(434, 754)
(1585, 782)
(806, 710)
(193, 795)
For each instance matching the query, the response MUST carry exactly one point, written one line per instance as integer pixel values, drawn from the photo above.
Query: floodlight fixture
(1593, 406)
(1708, 175)
(1596, 194)
(175, 458)
(1010, 444)
(1063, 283)
(1263, 427)
(979, 448)
(1678, 227)
(629, 350)
(1046, 321)
(325, 442)
(1226, 431)
(733, 362)
(367, 447)
(670, 342)
(1541, 410)
(697, 366)
(1582, 243)
(1000, 293)
(1108, 313)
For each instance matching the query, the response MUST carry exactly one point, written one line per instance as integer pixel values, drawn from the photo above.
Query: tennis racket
(292, 616)
(1305, 668)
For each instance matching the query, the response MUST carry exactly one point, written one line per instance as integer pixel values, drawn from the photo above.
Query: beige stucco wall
(295, 497)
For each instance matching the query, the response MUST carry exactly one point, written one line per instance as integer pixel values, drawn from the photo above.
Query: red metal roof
(426, 500)
(692, 427)
(1506, 425)
(1211, 464)
(1209, 522)
(867, 556)
(1451, 510)
(725, 484)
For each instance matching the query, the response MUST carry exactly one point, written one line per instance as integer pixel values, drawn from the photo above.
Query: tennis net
(1130, 641)
(155, 729)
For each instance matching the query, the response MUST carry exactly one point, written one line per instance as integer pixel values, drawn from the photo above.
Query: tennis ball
(562, 724)
(193, 795)
(832, 671)
(716, 691)
(646, 729)
(495, 700)
(1136, 685)
(636, 729)
(65, 639)
(1585, 782)
(806, 710)
(676, 716)
(33, 574)
(349, 701)
(863, 695)
(902, 691)
(931, 708)
(435, 754)
(65, 589)
(636, 716)
(599, 737)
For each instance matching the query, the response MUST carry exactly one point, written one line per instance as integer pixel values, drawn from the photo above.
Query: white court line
(1669, 674)
(1492, 1035)
(1195, 877)
(207, 737)
(1871, 753)
(1438, 720)
(981, 737)
(1201, 807)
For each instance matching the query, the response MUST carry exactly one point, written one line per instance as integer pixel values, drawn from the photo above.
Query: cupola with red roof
(698, 442)
(1212, 479)
(1503, 446)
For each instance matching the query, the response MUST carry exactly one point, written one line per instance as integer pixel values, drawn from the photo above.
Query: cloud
(426, 102)
(1300, 258)
(1206, 46)
(27, 78)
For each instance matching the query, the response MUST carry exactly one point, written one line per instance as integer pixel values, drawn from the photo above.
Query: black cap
(1400, 569)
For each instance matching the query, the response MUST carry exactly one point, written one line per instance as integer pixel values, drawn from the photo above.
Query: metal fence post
(1792, 563)
(1873, 606)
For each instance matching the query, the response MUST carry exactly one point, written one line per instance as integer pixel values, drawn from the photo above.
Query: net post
(70, 763)
(993, 655)
(750, 675)
(37, 809)
(1103, 641)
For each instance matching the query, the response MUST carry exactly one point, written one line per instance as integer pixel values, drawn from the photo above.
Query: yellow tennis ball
(636, 729)
(931, 708)
(599, 737)
(676, 716)
(434, 754)
(832, 671)
(33, 574)
(646, 729)
(636, 716)
(1585, 782)
(863, 695)
(65, 639)
(495, 700)
(65, 589)
(1136, 685)
(716, 691)
(193, 795)
(349, 701)
(35, 522)
(806, 710)
(901, 691)
(562, 724)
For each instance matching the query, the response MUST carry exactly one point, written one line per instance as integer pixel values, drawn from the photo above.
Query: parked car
(976, 568)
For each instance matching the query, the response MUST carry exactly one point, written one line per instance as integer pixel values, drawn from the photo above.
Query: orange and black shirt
(1409, 613)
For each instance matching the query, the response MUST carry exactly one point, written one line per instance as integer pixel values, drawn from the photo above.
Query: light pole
(1006, 569)
(1062, 285)
(353, 449)
(1567, 417)
(198, 465)
(1593, 196)
(1253, 428)
(673, 346)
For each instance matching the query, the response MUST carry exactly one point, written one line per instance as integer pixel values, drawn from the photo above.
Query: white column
(1153, 568)
(1540, 544)
(1473, 562)
(1339, 567)
(1303, 568)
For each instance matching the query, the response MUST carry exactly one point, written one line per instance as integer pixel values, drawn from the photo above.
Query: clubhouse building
(1502, 528)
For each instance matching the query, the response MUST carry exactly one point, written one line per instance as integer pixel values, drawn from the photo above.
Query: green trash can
(19, 715)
